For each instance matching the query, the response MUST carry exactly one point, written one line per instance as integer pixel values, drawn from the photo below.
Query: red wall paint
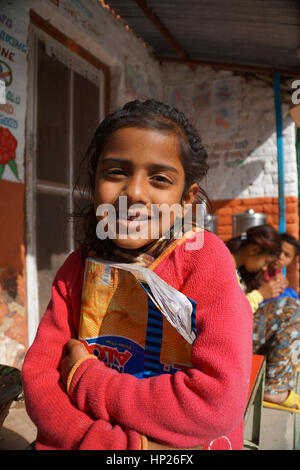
(13, 318)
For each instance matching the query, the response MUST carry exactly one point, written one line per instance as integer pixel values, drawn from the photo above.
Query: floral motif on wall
(8, 145)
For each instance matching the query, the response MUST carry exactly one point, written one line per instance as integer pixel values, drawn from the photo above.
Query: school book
(134, 321)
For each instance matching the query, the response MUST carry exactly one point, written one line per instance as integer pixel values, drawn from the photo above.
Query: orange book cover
(123, 325)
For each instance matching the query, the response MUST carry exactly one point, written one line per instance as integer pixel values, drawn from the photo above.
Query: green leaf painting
(13, 166)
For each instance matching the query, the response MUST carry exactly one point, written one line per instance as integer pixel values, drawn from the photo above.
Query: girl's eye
(114, 172)
(161, 179)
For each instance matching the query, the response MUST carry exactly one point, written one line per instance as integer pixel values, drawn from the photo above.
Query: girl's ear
(254, 250)
(191, 193)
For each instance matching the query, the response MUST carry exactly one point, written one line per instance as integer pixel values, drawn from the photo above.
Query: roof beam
(226, 66)
(162, 29)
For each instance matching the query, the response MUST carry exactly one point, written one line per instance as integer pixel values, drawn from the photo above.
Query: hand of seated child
(282, 280)
(271, 288)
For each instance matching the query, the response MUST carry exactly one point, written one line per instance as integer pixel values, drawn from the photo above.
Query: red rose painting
(8, 145)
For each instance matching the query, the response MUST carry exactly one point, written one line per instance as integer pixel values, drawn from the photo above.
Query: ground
(18, 431)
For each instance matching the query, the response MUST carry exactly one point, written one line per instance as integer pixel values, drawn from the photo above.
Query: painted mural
(215, 107)
(212, 106)
(14, 20)
(138, 84)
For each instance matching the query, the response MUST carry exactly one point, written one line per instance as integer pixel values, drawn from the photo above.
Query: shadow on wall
(232, 181)
(241, 141)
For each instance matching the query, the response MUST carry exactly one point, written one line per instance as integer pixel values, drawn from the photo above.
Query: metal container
(211, 223)
(249, 218)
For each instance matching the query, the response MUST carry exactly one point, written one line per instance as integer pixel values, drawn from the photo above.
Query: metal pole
(280, 153)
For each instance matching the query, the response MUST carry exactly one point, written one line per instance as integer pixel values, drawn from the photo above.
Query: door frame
(33, 317)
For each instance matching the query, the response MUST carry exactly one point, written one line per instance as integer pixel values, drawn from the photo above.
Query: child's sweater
(109, 410)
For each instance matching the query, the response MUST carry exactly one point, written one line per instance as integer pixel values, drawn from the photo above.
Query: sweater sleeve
(204, 402)
(255, 298)
(60, 424)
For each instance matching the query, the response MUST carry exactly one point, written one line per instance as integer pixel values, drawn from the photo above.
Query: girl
(290, 249)
(150, 154)
(276, 326)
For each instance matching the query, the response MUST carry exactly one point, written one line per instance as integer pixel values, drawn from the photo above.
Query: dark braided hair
(287, 237)
(267, 238)
(150, 114)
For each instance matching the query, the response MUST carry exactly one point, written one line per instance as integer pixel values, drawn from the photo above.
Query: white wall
(235, 117)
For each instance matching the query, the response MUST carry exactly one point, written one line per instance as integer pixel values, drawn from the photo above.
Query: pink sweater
(108, 410)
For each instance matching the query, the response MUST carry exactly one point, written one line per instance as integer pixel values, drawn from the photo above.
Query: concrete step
(18, 431)
(277, 429)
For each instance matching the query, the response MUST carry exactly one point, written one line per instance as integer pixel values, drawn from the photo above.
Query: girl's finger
(72, 343)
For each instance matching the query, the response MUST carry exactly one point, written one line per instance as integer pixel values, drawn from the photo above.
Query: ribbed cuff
(143, 443)
(259, 296)
(75, 367)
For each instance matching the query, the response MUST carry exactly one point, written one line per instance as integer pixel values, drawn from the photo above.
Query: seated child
(290, 249)
(276, 323)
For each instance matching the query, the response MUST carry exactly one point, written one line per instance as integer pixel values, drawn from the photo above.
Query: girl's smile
(145, 166)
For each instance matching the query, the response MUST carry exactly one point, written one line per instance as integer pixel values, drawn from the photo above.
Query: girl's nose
(136, 190)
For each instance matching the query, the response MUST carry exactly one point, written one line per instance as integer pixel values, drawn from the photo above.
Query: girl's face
(144, 166)
(287, 255)
(255, 261)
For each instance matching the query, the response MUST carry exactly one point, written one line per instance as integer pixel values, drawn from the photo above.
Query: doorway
(66, 103)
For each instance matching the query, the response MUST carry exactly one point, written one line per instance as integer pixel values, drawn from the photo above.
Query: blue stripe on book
(155, 322)
(152, 365)
(153, 347)
(153, 311)
(156, 318)
(153, 369)
(150, 353)
(152, 339)
(152, 360)
(153, 333)
(154, 328)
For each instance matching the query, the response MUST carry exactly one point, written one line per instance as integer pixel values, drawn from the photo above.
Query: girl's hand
(283, 280)
(76, 352)
(271, 289)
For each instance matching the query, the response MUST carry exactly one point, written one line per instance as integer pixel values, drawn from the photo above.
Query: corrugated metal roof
(261, 33)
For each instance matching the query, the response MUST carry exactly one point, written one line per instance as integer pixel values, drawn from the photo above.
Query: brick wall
(225, 209)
